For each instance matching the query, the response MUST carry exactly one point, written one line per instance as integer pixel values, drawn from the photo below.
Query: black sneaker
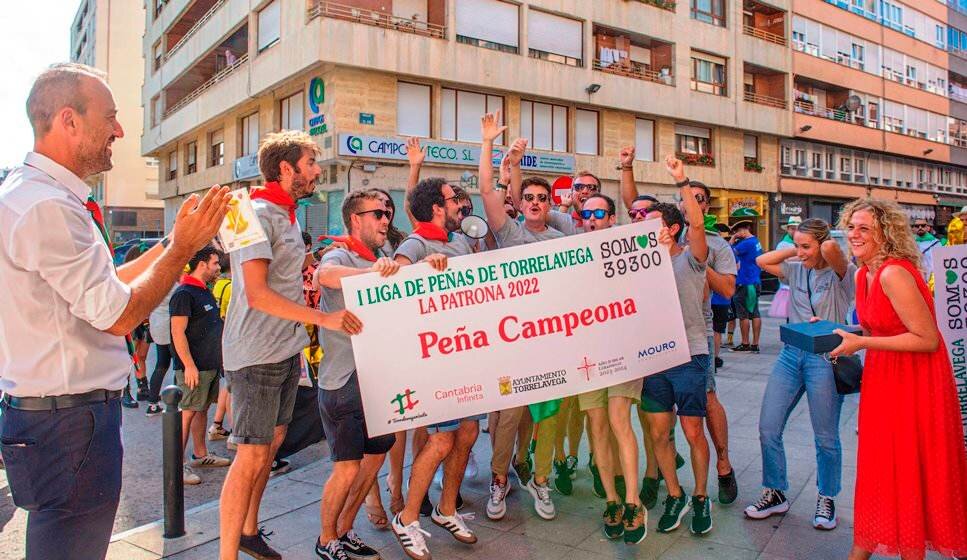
(279, 466)
(127, 401)
(742, 348)
(332, 551)
(754, 348)
(772, 501)
(256, 547)
(153, 409)
(355, 548)
(143, 393)
(728, 488)
(825, 518)
(426, 508)
(719, 362)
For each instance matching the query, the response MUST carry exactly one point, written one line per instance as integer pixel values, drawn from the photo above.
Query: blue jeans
(64, 468)
(797, 372)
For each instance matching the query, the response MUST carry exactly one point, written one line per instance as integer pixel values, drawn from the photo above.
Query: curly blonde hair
(892, 228)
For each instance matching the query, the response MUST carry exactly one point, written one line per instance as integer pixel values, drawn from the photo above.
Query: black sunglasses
(529, 197)
(465, 211)
(581, 187)
(379, 213)
(598, 213)
(637, 212)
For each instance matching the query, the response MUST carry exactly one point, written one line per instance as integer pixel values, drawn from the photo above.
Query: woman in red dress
(911, 473)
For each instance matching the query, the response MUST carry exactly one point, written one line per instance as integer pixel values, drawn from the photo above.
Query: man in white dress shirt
(63, 359)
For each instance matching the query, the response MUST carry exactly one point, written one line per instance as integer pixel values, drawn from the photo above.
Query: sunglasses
(700, 198)
(637, 213)
(379, 213)
(581, 187)
(529, 197)
(918, 226)
(465, 211)
(599, 214)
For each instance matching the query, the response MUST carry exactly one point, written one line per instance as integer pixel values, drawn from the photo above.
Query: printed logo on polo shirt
(463, 394)
(655, 350)
(508, 385)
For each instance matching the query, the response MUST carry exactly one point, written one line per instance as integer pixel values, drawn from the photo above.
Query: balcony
(767, 100)
(834, 102)
(764, 86)
(764, 22)
(428, 21)
(633, 55)
(221, 75)
(210, 69)
(189, 23)
(663, 4)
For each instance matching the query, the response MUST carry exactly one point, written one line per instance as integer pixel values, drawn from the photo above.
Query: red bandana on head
(272, 192)
(431, 231)
(189, 280)
(576, 216)
(355, 245)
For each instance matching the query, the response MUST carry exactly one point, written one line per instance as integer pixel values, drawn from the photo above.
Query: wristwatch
(165, 241)
(683, 183)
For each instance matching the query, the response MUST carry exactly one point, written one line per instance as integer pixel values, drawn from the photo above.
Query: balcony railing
(221, 75)
(776, 102)
(663, 4)
(334, 10)
(841, 115)
(764, 35)
(637, 71)
(194, 29)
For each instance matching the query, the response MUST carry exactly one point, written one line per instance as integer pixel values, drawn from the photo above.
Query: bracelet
(627, 166)
(500, 186)
(683, 183)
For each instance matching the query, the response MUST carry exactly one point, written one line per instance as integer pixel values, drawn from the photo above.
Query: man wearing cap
(791, 226)
(747, 285)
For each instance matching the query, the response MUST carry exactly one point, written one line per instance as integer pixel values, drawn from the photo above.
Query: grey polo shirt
(832, 296)
(514, 233)
(690, 279)
(416, 248)
(563, 223)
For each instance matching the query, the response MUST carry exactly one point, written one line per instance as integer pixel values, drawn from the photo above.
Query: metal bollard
(173, 453)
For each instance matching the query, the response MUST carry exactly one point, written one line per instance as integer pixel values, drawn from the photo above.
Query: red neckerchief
(189, 280)
(354, 245)
(272, 192)
(431, 231)
(576, 216)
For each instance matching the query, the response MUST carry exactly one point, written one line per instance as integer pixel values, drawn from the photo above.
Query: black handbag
(847, 370)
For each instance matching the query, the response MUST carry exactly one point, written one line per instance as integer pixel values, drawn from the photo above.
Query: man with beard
(437, 215)
(61, 394)
(535, 205)
(264, 336)
(356, 456)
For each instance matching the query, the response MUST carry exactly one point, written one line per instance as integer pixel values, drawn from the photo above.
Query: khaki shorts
(599, 398)
(203, 395)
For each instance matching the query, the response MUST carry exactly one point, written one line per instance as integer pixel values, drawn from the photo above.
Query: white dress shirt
(60, 288)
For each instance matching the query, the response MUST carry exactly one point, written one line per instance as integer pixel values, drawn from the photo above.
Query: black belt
(60, 401)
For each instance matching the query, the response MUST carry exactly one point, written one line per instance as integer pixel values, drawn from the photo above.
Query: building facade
(580, 79)
(102, 35)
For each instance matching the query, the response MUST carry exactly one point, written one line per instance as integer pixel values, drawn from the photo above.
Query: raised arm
(493, 199)
(833, 255)
(517, 150)
(771, 262)
(628, 189)
(693, 212)
(416, 155)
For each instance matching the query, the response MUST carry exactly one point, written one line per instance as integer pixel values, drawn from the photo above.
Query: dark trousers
(163, 353)
(64, 468)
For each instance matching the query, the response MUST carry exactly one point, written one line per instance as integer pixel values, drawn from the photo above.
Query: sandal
(377, 516)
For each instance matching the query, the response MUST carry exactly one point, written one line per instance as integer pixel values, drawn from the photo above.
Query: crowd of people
(263, 335)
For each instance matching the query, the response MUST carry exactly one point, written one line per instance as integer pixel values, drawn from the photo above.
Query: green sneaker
(649, 492)
(635, 522)
(562, 478)
(620, 487)
(613, 525)
(701, 515)
(597, 486)
(675, 510)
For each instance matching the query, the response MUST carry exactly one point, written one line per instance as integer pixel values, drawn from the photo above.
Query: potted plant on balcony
(705, 160)
(752, 164)
(663, 4)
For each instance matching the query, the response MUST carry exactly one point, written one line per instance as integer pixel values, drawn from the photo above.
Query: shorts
(345, 425)
(203, 395)
(681, 387)
(721, 315)
(599, 398)
(710, 379)
(263, 397)
(453, 425)
(739, 302)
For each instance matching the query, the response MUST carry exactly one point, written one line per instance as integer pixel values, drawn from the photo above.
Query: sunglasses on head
(529, 197)
(637, 213)
(379, 213)
(598, 213)
(581, 187)
(465, 211)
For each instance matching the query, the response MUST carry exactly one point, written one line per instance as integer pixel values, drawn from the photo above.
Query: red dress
(911, 473)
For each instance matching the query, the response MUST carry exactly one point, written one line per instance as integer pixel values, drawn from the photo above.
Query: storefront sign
(317, 96)
(502, 329)
(246, 167)
(367, 118)
(439, 152)
(745, 203)
(950, 300)
(791, 209)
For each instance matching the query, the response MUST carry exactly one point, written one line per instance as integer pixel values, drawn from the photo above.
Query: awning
(744, 213)
(955, 202)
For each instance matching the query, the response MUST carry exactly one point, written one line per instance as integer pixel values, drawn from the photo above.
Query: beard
(452, 224)
(94, 158)
(302, 187)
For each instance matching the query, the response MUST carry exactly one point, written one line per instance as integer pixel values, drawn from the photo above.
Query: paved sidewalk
(291, 506)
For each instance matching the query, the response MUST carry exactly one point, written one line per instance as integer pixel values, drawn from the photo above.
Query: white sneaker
(825, 518)
(412, 538)
(497, 504)
(472, 469)
(454, 523)
(543, 504)
(209, 461)
(189, 476)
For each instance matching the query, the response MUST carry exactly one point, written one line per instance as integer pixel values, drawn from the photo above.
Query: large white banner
(516, 326)
(950, 299)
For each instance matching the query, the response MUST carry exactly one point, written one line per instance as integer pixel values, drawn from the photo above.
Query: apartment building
(102, 35)
(707, 79)
(879, 107)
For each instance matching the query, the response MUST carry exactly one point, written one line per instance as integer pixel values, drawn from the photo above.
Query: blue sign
(246, 167)
(367, 118)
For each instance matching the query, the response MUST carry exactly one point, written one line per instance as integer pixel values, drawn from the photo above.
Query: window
(191, 158)
(250, 135)
(491, 24)
(859, 170)
(845, 168)
(817, 167)
(413, 109)
(460, 113)
(545, 125)
(708, 74)
(709, 11)
(586, 132)
(156, 55)
(644, 140)
(830, 165)
(124, 218)
(750, 146)
(269, 25)
(800, 162)
(216, 143)
(555, 38)
(693, 140)
(290, 112)
(172, 165)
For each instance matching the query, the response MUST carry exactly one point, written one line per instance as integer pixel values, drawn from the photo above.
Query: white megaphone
(474, 227)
